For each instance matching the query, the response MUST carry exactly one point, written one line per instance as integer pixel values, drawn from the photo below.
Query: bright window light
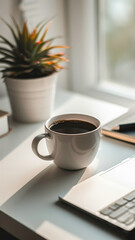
(117, 41)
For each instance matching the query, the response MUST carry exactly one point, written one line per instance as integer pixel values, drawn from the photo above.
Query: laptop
(109, 195)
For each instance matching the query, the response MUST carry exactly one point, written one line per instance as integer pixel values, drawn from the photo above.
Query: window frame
(103, 85)
(86, 80)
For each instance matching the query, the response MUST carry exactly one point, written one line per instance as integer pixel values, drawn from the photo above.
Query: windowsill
(113, 93)
(119, 90)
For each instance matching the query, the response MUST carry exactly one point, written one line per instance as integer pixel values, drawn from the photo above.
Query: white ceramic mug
(70, 151)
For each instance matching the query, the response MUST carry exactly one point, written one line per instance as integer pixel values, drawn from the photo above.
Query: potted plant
(30, 71)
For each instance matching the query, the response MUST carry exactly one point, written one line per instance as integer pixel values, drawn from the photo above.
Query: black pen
(124, 127)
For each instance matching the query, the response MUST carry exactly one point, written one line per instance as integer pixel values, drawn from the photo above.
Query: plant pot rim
(30, 79)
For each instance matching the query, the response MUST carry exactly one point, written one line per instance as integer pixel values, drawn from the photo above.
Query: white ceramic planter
(32, 100)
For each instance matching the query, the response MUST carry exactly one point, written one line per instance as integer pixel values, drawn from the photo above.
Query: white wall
(81, 36)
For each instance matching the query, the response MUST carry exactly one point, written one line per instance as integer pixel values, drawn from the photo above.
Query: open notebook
(108, 195)
(128, 136)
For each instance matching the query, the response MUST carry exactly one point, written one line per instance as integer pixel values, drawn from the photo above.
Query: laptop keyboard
(123, 210)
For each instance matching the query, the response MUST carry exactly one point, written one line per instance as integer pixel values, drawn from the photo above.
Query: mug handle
(35, 143)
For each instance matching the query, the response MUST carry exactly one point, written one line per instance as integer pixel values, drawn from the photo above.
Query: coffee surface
(72, 126)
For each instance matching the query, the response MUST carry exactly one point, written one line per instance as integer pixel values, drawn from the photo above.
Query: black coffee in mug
(72, 126)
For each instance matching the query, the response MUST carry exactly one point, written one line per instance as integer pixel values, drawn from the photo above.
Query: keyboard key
(115, 214)
(125, 217)
(130, 204)
(106, 211)
(130, 196)
(130, 220)
(121, 202)
(132, 210)
(114, 206)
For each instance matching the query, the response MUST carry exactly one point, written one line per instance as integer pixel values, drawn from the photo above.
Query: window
(101, 34)
(117, 42)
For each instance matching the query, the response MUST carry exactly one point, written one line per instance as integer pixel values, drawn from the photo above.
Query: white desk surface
(30, 187)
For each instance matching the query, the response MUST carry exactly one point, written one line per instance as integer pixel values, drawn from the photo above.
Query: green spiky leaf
(29, 56)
